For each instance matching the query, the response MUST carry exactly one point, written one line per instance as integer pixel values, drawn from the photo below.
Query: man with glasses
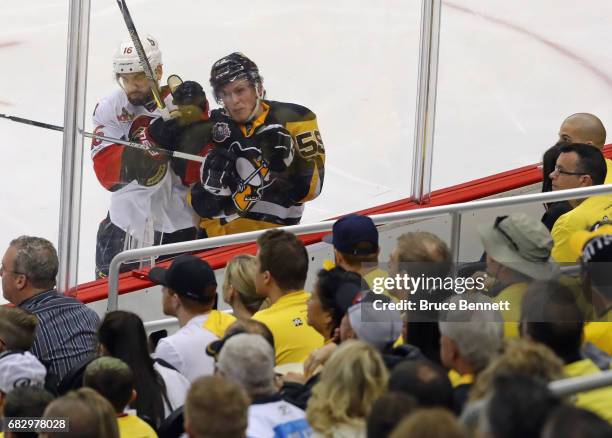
(578, 165)
(66, 331)
(518, 249)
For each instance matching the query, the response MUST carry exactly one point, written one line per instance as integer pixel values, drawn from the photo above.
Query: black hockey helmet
(231, 68)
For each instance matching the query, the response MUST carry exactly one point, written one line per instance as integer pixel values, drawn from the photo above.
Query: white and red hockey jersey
(145, 189)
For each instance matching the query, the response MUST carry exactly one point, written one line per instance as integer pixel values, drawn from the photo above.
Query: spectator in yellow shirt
(282, 266)
(554, 319)
(518, 252)
(578, 165)
(114, 380)
(596, 267)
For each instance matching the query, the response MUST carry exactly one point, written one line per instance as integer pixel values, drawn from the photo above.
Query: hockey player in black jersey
(267, 158)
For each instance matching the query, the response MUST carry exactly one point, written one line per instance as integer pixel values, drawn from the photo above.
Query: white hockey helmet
(126, 59)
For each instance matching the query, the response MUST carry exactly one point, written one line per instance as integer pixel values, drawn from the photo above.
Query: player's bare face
(136, 87)
(239, 99)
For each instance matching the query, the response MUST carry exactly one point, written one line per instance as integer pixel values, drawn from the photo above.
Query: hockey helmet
(126, 58)
(230, 68)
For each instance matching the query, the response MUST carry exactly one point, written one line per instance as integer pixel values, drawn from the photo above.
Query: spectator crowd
(333, 361)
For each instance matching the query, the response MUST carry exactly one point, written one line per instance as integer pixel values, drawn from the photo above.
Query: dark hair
(549, 161)
(519, 406)
(284, 256)
(549, 315)
(330, 283)
(250, 326)
(112, 378)
(590, 160)
(26, 401)
(424, 380)
(124, 337)
(387, 412)
(568, 421)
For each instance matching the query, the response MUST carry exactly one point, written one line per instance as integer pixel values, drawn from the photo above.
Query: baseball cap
(580, 239)
(20, 369)
(188, 276)
(378, 327)
(522, 243)
(354, 234)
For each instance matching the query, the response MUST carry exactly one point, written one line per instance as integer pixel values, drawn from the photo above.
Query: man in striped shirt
(66, 331)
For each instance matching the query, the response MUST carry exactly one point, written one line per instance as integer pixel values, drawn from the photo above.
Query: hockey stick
(175, 154)
(142, 56)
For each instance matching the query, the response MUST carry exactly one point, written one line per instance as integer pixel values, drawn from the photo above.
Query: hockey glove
(165, 132)
(191, 101)
(218, 175)
(276, 145)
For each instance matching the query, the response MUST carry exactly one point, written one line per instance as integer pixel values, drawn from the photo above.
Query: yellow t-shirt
(287, 319)
(608, 179)
(582, 217)
(130, 426)
(599, 332)
(599, 400)
(514, 295)
(218, 322)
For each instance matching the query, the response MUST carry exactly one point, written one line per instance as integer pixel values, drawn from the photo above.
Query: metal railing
(573, 385)
(454, 210)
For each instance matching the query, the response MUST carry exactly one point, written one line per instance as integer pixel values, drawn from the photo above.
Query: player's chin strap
(259, 90)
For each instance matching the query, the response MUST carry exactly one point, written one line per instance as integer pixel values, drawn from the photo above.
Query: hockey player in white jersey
(148, 200)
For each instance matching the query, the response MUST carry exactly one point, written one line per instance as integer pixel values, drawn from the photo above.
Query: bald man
(583, 128)
(588, 129)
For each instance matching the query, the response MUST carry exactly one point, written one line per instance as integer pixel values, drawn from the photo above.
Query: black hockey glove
(191, 101)
(165, 132)
(276, 145)
(218, 175)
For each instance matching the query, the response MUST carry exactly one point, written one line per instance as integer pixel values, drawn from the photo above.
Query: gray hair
(478, 334)
(249, 360)
(37, 259)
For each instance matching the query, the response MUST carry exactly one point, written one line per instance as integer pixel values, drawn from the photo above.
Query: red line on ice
(553, 45)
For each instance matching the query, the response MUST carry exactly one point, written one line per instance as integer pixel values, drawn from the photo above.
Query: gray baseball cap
(522, 243)
(378, 327)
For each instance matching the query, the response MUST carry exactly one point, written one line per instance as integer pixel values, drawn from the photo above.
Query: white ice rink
(509, 72)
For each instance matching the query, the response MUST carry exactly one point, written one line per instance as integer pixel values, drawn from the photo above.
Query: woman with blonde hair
(239, 286)
(353, 378)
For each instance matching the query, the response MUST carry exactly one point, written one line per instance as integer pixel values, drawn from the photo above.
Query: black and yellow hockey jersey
(263, 198)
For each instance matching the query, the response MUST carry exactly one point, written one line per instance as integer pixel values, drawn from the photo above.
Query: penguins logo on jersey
(254, 176)
(220, 132)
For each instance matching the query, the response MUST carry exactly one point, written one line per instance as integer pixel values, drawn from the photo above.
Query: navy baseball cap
(188, 276)
(354, 234)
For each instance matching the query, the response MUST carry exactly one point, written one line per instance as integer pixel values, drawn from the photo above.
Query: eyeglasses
(3, 270)
(560, 171)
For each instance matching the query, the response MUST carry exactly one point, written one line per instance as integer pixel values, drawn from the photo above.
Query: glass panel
(352, 63)
(509, 73)
(33, 50)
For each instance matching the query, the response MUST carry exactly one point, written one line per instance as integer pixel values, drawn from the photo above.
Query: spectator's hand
(276, 144)
(318, 358)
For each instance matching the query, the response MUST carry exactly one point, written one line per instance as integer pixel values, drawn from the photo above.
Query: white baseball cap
(20, 369)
